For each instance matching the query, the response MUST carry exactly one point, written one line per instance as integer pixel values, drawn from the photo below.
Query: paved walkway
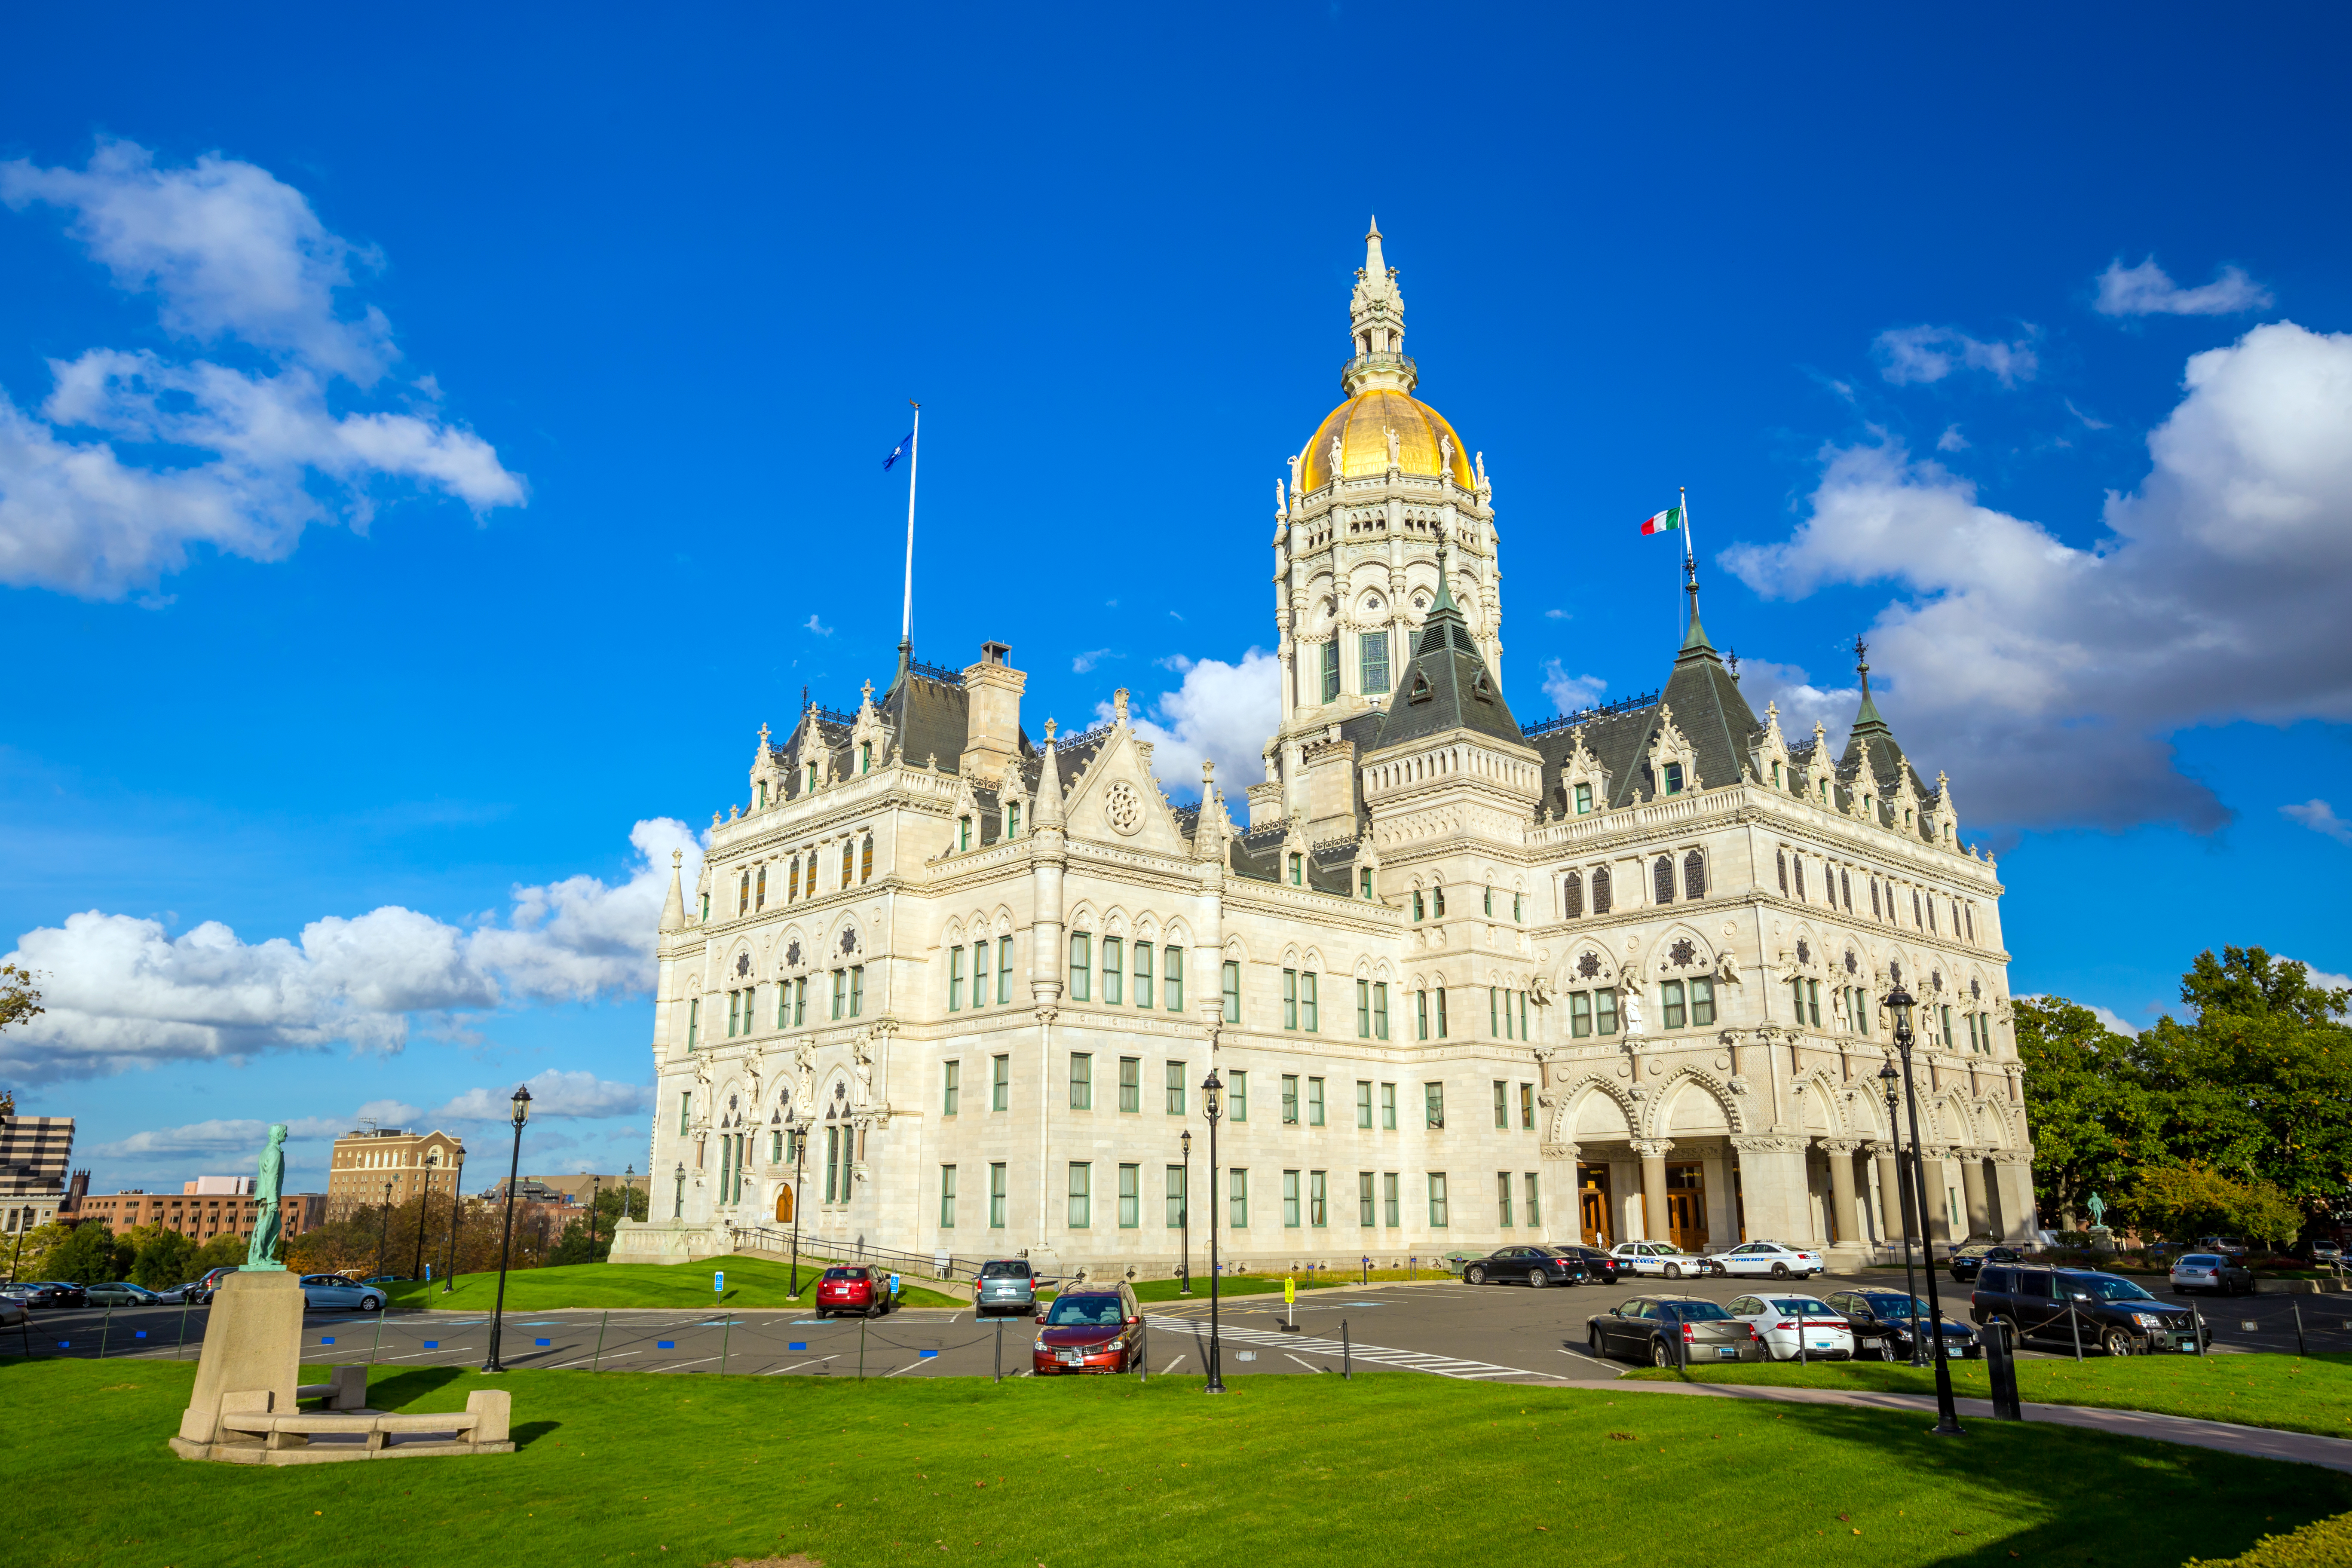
(2260, 1442)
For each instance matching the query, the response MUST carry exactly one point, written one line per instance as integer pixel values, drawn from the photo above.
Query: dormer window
(1364, 880)
(763, 795)
(812, 777)
(1584, 800)
(865, 756)
(1482, 689)
(963, 833)
(1825, 789)
(1776, 777)
(1299, 870)
(1674, 778)
(1420, 691)
(1012, 820)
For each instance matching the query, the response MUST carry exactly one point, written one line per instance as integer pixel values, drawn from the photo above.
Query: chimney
(993, 715)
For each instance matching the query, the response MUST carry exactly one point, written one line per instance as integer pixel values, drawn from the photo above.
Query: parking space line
(675, 1364)
(897, 1370)
(1308, 1365)
(779, 1372)
(412, 1355)
(1170, 1367)
(609, 1355)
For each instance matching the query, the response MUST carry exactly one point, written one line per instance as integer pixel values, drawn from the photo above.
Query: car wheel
(371, 1303)
(1658, 1356)
(1673, 1271)
(1592, 1343)
(2116, 1342)
(1474, 1276)
(1536, 1280)
(1780, 1271)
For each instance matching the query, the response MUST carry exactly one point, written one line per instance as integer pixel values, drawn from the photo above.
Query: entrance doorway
(1686, 1206)
(784, 1206)
(1593, 1206)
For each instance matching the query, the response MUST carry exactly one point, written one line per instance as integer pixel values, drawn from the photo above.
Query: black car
(1671, 1331)
(1537, 1266)
(1599, 1266)
(1969, 1260)
(1884, 1321)
(2105, 1310)
(51, 1293)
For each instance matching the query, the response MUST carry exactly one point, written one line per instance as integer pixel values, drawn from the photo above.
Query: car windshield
(1696, 1311)
(1086, 1312)
(1797, 1304)
(2106, 1288)
(1896, 1305)
(1012, 1270)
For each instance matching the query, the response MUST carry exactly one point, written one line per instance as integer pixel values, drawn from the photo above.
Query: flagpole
(914, 459)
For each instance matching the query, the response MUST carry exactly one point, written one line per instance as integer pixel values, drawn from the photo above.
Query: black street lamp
(1891, 1081)
(800, 1152)
(628, 1195)
(383, 1232)
(424, 1206)
(1212, 1106)
(1184, 1212)
(595, 1188)
(456, 1213)
(1948, 1415)
(506, 1242)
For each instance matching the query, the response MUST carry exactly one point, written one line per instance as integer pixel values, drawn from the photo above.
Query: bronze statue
(261, 1253)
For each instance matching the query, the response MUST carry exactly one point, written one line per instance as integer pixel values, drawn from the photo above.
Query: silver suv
(1006, 1285)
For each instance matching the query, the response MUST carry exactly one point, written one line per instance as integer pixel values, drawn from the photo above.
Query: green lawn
(691, 1469)
(2295, 1393)
(750, 1282)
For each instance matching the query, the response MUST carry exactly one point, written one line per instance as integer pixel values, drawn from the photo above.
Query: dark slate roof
(1707, 708)
(1446, 686)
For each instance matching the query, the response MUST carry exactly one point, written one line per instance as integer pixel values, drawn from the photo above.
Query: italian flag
(1666, 521)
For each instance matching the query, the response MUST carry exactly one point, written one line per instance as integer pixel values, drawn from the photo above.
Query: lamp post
(595, 1189)
(1947, 1417)
(1184, 1212)
(1212, 1106)
(506, 1242)
(1891, 1081)
(424, 1206)
(628, 1194)
(383, 1231)
(456, 1213)
(800, 1153)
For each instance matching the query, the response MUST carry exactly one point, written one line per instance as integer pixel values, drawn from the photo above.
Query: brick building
(375, 1165)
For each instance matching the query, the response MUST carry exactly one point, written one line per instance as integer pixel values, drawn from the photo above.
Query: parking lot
(1445, 1328)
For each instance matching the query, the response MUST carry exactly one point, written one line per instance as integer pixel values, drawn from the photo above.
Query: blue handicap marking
(542, 1341)
(924, 1355)
(665, 1344)
(797, 1345)
(143, 1333)
(64, 1345)
(433, 1344)
(327, 1339)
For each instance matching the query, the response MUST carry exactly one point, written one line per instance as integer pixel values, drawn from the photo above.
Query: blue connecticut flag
(900, 450)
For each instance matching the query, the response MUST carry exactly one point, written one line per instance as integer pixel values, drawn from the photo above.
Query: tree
(2184, 1203)
(573, 1246)
(92, 1254)
(165, 1257)
(20, 999)
(608, 1206)
(2094, 1117)
(225, 1250)
(31, 1256)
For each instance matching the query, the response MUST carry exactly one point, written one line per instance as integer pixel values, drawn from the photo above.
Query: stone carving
(1560, 1151)
(1392, 444)
(1446, 457)
(1589, 965)
(1335, 459)
(1683, 953)
(863, 1071)
(1630, 1004)
(1123, 808)
(804, 1070)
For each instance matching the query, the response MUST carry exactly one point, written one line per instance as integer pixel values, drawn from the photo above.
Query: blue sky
(430, 453)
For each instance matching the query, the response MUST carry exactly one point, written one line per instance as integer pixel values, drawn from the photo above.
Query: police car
(1655, 1258)
(1775, 1259)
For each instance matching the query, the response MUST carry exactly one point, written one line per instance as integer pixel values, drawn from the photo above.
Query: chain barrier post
(2299, 1347)
(383, 1305)
(106, 1327)
(2196, 1327)
(182, 1340)
(1347, 1363)
(861, 1350)
(2075, 1322)
(1000, 1350)
(726, 1327)
(2000, 1365)
(598, 1364)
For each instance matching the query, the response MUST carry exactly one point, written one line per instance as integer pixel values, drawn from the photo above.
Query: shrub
(2323, 1544)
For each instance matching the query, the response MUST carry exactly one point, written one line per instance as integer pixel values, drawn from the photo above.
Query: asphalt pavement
(1443, 1328)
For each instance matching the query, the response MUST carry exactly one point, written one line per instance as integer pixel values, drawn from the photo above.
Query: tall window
(1113, 974)
(840, 991)
(1875, 913)
(1238, 1095)
(1800, 876)
(1012, 820)
(1176, 1196)
(1365, 1213)
(1000, 1083)
(1440, 1012)
(996, 1195)
(1695, 876)
(1782, 856)
(955, 978)
(1237, 1199)
(1503, 1197)
(1082, 1081)
(848, 856)
(1130, 1083)
(1175, 1087)
(1702, 1003)
(1315, 1087)
(1584, 800)
(856, 990)
(1290, 998)
(865, 861)
(1421, 1014)
(1502, 1103)
(1527, 1108)
(1364, 1103)
(953, 1086)
(1671, 995)
(793, 885)
(1082, 1195)
(759, 885)
(1172, 979)
(866, 756)
(947, 1197)
(1130, 1196)
(1142, 973)
(1232, 982)
(1661, 880)
(685, 1112)
(1674, 778)
(1307, 1016)
(1433, 1104)
(1290, 1200)
(1388, 1107)
(1535, 1214)
(1331, 670)
(1437, 1200)
(1290, 1099)
(1003, 969)
(1363, 1009)
(1317, 1215)
(1600, 894)
(1299, 870)
(1082, 967)
(1572, 895)
(1379, 1009)
(1372, 657)
(1391, 1212)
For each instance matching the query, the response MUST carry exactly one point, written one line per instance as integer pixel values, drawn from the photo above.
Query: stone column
(1935, 1182)
(1845, 1213)
(2012, 1173)
(1896, 1224)
(1772, 1186)
(1653, 1153)
(1562, 1199)
(1973, 1193)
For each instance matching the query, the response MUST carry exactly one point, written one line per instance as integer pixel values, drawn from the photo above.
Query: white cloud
(387, 1113)
(2114, 1021)
(1908, 354)
(2324, 980)
(237, 260)
(2145, 290)
(1087, 660)
(812, 625)
(1556, 615)
(1570, 693)
(2049, 679)
(1223, 712)
(1802, 704)
(1951, 440)
(236, 1136)
(122, 991)
(2320, 817)
(552, 1093)
(2088, 421)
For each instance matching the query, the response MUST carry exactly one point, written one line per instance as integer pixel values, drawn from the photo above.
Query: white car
(1653, 1257)
(1775, 1259)
(1778, 1320)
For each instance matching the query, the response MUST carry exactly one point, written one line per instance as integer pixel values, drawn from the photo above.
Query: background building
(1612, 974)
(35, 1151)
(372, 1166)
(202, 1215)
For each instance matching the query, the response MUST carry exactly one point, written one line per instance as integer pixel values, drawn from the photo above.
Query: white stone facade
(1468, 983)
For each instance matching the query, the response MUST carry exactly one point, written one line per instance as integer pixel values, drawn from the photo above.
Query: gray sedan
(333, 1292)
(121, 1293)
(1005, 1285)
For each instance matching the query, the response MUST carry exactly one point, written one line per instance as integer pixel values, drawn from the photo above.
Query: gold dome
(1362, 424)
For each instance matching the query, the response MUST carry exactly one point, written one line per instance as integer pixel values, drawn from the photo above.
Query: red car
(853, 1288)
(1090, 1329)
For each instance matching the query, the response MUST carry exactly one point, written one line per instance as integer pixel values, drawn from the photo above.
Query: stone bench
(346, 1391)
(248, 1432)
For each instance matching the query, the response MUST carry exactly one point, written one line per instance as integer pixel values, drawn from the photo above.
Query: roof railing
(1585, 715)
(938, 672)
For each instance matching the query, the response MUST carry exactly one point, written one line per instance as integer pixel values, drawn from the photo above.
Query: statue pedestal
(252, 1349)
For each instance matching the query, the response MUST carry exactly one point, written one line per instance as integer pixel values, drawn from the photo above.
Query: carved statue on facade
(862, 1070)
(1335, 459)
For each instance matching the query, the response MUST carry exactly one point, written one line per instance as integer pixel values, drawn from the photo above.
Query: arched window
(1693, 875)
(1437, 902)
(1845, 886)
(1661, 880)
(1800, 876)
(759, 889)
(865, 861)
(1572, 895)
(1783, 858)
(1874, 899)
(743, 894)
(847, 850)
(1600, 894)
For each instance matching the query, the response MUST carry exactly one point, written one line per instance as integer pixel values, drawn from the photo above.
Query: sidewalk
(2259, 1442)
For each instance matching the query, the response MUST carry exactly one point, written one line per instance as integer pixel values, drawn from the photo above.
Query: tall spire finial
(1376, 322)
(1867, 718)
(1375, 266)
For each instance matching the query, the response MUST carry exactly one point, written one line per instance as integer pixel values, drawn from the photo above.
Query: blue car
(333, 1292)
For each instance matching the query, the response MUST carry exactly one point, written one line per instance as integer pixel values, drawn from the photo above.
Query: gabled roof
(1446, 685)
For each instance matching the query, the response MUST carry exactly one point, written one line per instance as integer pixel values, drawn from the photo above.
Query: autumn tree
(2094, 1116)
(20, 999)
(2185, 1203)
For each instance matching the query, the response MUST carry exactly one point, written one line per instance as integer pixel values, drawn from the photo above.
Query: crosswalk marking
(1375, 1355)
